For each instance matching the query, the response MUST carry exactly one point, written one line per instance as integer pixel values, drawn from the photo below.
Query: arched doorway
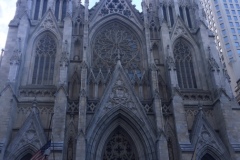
(27, 157)
(119, 146)
(207, 157)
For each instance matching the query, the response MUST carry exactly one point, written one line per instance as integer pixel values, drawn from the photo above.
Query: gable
(122, 8)
(119, 95)
(181, 30)
(31, 135)
(204, 138)
(48, 23)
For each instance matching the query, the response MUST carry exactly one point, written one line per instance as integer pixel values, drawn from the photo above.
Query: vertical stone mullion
(40, 10)
(191, 14)
(33, 9)
(160, 12)
(185, 15)
(147, 34)
(176, 8)
(96, 90)
(60, 10)
(168, 16)
(81, 139)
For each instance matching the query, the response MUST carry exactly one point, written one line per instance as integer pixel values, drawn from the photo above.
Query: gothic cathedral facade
(112, 83)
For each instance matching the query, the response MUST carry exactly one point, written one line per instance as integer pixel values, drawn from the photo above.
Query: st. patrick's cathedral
(112, 83)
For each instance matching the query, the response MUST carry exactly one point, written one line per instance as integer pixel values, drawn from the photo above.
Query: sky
(7, 11)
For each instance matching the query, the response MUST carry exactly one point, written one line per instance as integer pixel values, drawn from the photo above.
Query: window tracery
(116, 6)
(60, 9)
(184, 66)
(45, 52)
(119, 147)
(113, 43)
(40, 8)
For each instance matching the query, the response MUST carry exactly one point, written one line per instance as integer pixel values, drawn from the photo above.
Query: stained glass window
(184, 65)
(116, 42)
(45, 52)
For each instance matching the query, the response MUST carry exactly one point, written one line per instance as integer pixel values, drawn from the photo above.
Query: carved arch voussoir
(207, 149)
(30, 137)
(128, 122)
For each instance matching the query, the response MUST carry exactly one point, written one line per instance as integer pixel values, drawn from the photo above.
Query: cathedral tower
(109, 82)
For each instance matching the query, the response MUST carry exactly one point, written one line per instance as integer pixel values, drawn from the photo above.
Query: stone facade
(109, 82)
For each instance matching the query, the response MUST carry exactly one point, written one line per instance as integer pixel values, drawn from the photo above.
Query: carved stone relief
(116, 6)
(119, 96)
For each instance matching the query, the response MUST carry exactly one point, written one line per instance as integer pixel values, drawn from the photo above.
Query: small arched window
(171, 15)
(57, 5)
(45, 53)
(165, 13)
(60, 9)
(40, 8)
(188, 17)
(181, 13)
(184, 65)
(64, 9)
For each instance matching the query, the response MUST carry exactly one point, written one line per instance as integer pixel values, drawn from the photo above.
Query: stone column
(60, 10)
(162, 151)
(60, 110)
(171, 68)
(51, 5)
(14, 66)
(168, 16)
(160, 13)
(215, 70)
(40, 9)
(147, 34)
(177, 103)
(59, 124)
(176, 7)
(8, 111)
(81, 139)
(185, 16)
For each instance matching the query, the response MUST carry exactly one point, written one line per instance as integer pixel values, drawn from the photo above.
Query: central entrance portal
(119, 146)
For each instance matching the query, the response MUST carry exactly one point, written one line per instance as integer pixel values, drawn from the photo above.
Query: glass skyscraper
(223, 17)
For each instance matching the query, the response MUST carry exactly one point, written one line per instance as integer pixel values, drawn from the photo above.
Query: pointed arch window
(181, 13)
(165, 13)
(184, 65)
(37, 7)
(45, 52)
(188, 17)
(171, 15)
(60, 9)
(44, 6)
(64, 9)
(40, 8)
(57, 5)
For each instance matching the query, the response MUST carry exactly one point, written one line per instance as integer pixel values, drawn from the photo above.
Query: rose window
(113, 43)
